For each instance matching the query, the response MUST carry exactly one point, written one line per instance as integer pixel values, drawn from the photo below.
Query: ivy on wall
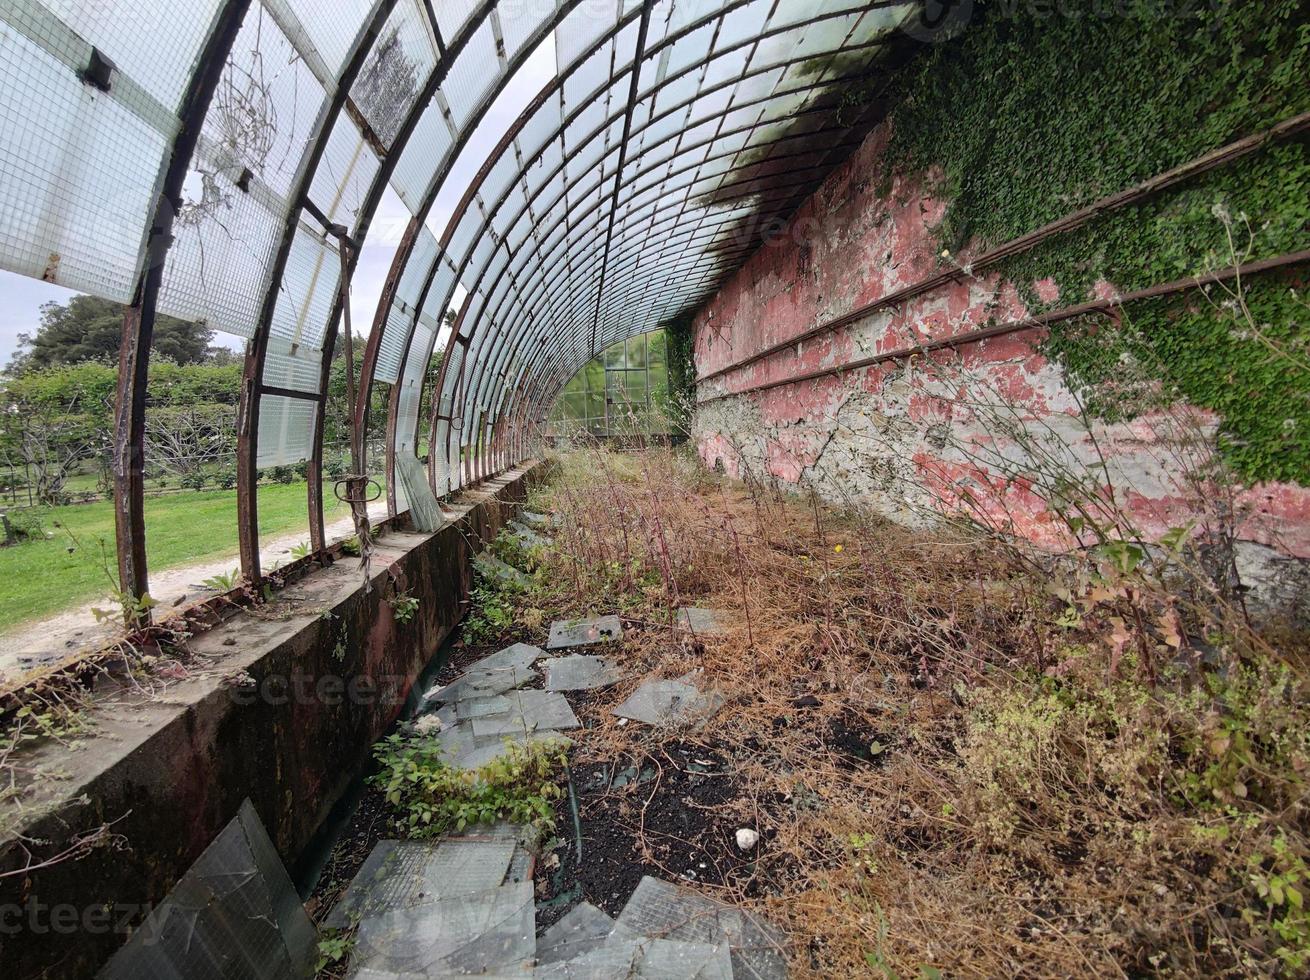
(680, 342)
(1030, 116)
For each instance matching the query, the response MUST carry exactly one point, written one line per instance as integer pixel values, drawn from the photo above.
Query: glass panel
(472, 75)
(427, 144)
(78, 167)
(345, 173)
(309, 290)
(331, 26)
(157, 52)
(399, 63)
(297, 368)
(285, 427)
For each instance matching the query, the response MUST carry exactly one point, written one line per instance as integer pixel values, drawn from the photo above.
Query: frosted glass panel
(285, 427)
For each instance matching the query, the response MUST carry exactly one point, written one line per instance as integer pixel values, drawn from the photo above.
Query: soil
(672, 812)
(367, 826)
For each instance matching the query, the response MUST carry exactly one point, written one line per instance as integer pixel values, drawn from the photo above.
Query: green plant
(334, 946)
(1037, 74)
(434, 797)
(1279, 877)
(196, 480)
(26, 525)
(130, 609)
(509, 549)
(300, 550)
(491, 614)
(403, 606)
(223, 581)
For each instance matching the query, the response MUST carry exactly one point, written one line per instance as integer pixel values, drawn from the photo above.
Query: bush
(194, 481)
(26, 525)
(282, 474)
(227, 478)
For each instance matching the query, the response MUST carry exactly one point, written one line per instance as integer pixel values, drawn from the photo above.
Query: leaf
(1174, 537)
(1123, 555)
(876, 748)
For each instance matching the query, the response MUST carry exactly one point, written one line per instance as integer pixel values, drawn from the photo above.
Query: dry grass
(1042, 801)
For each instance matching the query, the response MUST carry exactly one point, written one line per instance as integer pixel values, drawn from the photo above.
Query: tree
(53, 420)
(90, 329)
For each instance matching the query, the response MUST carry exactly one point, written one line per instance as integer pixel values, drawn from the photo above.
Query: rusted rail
(1289, 260)
(1015, 246)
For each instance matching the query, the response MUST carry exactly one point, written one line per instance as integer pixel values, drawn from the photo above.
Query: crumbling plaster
(909, 438)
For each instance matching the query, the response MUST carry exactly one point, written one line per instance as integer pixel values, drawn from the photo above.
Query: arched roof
(213, 161)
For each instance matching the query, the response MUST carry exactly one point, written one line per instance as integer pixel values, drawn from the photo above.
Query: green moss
(1029, 117)
(681, 345)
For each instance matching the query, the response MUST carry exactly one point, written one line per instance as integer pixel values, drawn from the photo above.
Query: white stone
(428, 725)
(747, 838)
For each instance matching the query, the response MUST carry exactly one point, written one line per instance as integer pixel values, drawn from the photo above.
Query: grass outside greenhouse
(44, 576)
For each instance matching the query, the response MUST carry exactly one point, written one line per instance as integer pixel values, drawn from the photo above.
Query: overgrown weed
(1079, 770)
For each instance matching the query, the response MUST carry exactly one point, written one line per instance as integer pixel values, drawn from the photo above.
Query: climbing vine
(680, 341)
(1029, 116)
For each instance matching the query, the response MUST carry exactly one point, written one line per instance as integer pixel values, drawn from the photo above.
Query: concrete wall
(913, 439)
(280, 705)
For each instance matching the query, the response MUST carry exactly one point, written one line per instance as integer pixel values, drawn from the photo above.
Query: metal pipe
(1288, 260)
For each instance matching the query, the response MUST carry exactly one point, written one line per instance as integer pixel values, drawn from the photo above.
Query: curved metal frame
(139, 317)
(475, 394)
(490, 396)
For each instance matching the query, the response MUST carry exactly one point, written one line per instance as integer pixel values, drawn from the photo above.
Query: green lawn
(41, 577)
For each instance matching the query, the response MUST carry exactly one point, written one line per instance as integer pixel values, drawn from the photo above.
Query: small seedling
(224, 581)
(404, 607)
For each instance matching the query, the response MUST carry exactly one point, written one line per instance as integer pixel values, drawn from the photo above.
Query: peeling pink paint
(1047, 290)
(845, 248)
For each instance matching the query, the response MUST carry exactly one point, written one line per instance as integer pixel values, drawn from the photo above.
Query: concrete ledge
(281, 706)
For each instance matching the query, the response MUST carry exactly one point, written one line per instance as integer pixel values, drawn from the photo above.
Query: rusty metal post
(139, 318)
(253, 368)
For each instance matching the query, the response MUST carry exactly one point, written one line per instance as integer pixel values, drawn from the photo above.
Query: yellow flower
(837, 548)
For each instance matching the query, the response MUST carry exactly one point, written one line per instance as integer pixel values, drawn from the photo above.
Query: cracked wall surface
(945, 431)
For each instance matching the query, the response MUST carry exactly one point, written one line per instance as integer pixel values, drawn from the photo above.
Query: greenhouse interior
(654, 488)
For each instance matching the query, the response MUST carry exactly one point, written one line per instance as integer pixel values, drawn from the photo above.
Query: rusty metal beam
(139, 318)
(638, 55)
(1289, 260)
(1015, 246)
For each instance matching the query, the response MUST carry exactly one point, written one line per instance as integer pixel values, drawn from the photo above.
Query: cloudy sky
(21, 298)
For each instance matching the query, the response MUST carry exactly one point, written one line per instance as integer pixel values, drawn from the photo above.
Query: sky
(21, 298)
